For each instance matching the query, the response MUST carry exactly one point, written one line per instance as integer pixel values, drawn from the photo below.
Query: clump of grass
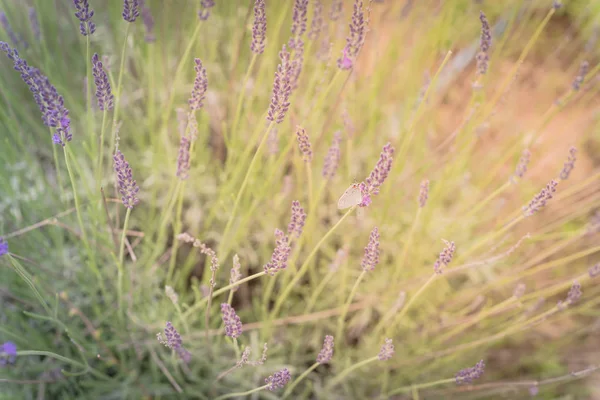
(228, 114)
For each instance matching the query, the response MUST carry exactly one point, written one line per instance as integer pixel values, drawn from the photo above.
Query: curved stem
(100, 166)
(62, 358)
(291, 387)
(120, 261)
(419, 386)
(241, 394)
(350, 369)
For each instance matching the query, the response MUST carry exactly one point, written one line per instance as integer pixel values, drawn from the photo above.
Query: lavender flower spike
(259, 28)
(8, 353)
(355, 39)
(282, 88)
(468, 375)
(521, 168)
(326, 352)
(317, 23)
(131, 10)
(148, 21)
(540, 200)
(183, 158)
(233, 324)
(235, 273)
(483, 57)
(445, 257)
(387, 350)
(569, 165)
(333, 157)
(200, 86)
(299, 19)
(127, 185)
(205, 5)
(371, 256)
(103, 90)
(173, 341)
(35, 23)
(423, 193)
(379, 174)
(583, 70)
(297, 220)
(280, 255)
(278, 380)
(304, 144)
(593, 271)
(84, 14)
(3, 247)
(9, 30)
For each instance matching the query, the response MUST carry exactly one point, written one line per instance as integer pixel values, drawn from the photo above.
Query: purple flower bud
(233, 324)
(468, 375)
(356, 38)
(380, 172)
(280, 255)
(183, 158)
(569, 164)
(103, 90)
(423, 193)
(259, 28)
(332, 160)
(35, 23)
(483, 57)
(173, 341)
(574, 293)
(304, 144)
(205, 6)
(371, 256)
(540, 200)
(282, 88)
(84, 14)
(387, 350)
(148, 21)
(296, 221)
(299, 18)
(583, 70)
(317, 23)
(522, 165)
(200, 86)
(3, 247)
(445, 257)
(8, 353)
(593, 271)
(127, 185)
(278, 379)
(130, 10)
(326, 352)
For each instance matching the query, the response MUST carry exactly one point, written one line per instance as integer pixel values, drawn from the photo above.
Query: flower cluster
(332, 160)
(84, 14)
(379, 174)
(468, 375)
(540, 199)
(8, 353)
(128, 187)
(245, 358)
(278, 380)
(445, 257)
(355, 39)
(304, 144)
(103, 91)
(326, 352)
(3, 246)
(583, 70)
(569, 164)
(483, 57)
(204, 249)
(423, 193)
(387, 350)
(259, 28)
(297, 220)
(317, 23)
(282, 88)
(280, 255)
(233, 324)
(521, 168)
(205, 6)
(173, 341)
(130, 10)
(371, 256)
(200, 86)
(299, 19)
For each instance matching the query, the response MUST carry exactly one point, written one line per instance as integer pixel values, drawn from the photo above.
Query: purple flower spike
(200, 86)
(3, 247)
(103, 90)
(523, 162)
(336, 10)
(380, 172)
(371, 257)
(282, 88)
(148, 21)
(173, 341)
(326, 352)
(9, 31)
(423, 193)
(299, 18)
(387, 350)
(278, 379)
(280, 255)
(131, 10)
(593, 271)
(445, 257)
(259, 28)
(468, 375)
(333, 157)
(297, 220)
(233, 324)
(205, 6)
(304, 144)
(317, 22)
(84, 14)
(483, 57)
(570, 164)
(35, 23)
(8, 353)
(583, 70)
(127, 185)
(540, 200)
(356, 38)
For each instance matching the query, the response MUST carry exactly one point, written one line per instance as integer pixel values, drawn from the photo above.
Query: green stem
(59, 180)
(176, 231)
(120, 266)
(420, 386)
(241, 394)
(64, 359)
(88, 92)
(342, 318)
(118, 90)
(291, 386)
(349, 370)
(100, 166)
(22, 272)
(92, 261)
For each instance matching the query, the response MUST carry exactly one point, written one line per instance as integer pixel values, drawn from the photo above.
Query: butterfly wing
(351, 197)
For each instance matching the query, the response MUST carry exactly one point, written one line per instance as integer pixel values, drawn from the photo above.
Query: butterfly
(351, 197)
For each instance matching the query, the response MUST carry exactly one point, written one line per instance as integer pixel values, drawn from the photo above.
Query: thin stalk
(176, 231)
(415, 387)
(120, 262)
(342, 318)
(291, 386)
(88, 92)
(407, 246)
(490, 197)
(242, 394)
(100, 166)
(64, 359)
(59, 180)
(238, 109)
(349, 370)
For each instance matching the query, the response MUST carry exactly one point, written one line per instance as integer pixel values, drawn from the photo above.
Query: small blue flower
(3, 247)
(8, 353)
